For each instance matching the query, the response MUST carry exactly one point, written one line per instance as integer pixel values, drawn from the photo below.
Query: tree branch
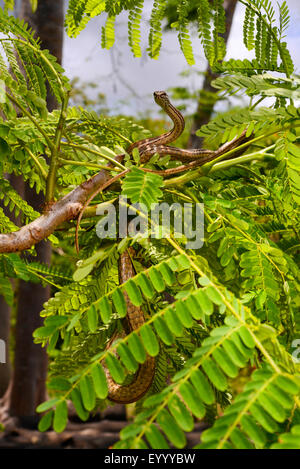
(63, 210)
(73, 204)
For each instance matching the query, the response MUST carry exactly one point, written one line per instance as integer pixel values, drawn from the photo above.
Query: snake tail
(135, 317)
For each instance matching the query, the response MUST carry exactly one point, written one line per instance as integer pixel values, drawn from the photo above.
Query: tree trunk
(5, 310)
(30, 367)
(208, 95)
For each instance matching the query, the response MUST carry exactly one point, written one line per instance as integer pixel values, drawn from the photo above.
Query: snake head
(161, 98)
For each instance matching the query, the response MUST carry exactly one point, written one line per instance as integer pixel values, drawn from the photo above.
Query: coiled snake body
(135, 316)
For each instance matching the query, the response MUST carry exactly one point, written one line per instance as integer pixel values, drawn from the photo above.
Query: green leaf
(163, 331)
(181, 414)
(263, 418)
(59, 384)
(99, 380)
(136, 348)
(239, 440)
(82, 272)
(253, 430)
(145, 285)
(130, 431)
(92, 319)
(214, 295)
(127, 358)
(119, 303)
(133, 293)
(171, 429)
(56, 321)
(44, 332)
(87, 392)
(149, 340)
(183, 261)
(157, 280)
(203, 387)
(225, 363)
(105, 309)
(204, 302)
(183, 314)
(115, 368)
(83, 414)
(246, 337)
(272, 407)
(155, 438)
(60, 419)
(215, 374)
(283, 398)
(141, 187)
(167, 274)
(75, 319)
(235, 355)
(194, 307)
(287, 384)
(172, 322)
(192, 399)
(47, 405)
(46, 421)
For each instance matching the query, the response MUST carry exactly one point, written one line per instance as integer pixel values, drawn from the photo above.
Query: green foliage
(288, 440)
(204, 28)
(183, 33)
(108, 33)
(142, 187)
(134, 22)
(260, 32)
(39, 67)
(155, 34)
(10, 4)
(266, 399)
(15, 203)
(213, 316)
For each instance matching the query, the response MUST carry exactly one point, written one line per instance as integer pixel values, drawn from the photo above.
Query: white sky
(129, 82)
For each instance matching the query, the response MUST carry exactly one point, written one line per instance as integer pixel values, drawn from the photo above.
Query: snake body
(162, 99)
(159, 144)
(135, 319)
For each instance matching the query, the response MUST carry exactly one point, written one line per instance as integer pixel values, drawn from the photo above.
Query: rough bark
(208, 95)
(5, 310)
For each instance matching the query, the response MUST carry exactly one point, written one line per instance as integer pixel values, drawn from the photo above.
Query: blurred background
(124, 84)
(128, 82)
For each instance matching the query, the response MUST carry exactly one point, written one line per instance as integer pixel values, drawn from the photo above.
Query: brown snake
(135, 318)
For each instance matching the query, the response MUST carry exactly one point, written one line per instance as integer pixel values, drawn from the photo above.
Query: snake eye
(159, 94)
